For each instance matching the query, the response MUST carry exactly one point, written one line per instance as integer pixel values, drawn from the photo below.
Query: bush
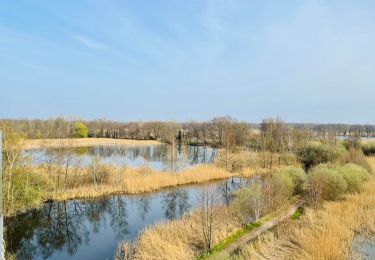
(368, 148)
(288, 158)
(325, 183)
(30, 190)
(357, 157)
(352, 143)
(298, 178)
(80, 130)
(316, 154)
(354, 176)
(249, 203)
(281, 188)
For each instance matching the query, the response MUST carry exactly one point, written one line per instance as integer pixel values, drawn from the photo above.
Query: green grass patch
(299, 212)
(234, 236)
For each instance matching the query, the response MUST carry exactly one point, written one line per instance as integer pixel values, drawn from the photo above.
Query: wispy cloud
(90, 43)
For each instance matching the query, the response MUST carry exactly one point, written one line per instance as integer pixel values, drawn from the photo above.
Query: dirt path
(260, 230)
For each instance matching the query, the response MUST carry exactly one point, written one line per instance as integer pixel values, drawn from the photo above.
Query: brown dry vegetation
(326, 233)
(249, 163)
(111, 179)
(184, 238)
(80, 142)
(181, 239)
(139, 180)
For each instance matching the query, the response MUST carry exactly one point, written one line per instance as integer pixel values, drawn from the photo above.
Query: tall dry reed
(326, 233)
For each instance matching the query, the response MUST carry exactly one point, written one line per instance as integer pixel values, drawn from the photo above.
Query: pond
(158, 157)
(364, 247)
(93, 228)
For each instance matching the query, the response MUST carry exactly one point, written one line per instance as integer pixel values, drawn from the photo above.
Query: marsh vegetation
(92, 182)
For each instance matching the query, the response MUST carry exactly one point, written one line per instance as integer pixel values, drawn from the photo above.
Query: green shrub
(282, 189)
(249, 203)
(368, 148)
(354, 176)
(356, 156)
(288, 158)
(316, 154)
(29, 190)
(325, 183)
(298, 178)
(80, 130)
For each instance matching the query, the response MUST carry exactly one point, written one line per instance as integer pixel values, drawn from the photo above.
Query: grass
(132, 181)
(80, 142)
(297, 215)
(326, 233)
(182, 239)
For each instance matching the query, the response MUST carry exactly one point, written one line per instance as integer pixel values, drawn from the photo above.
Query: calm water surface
(92, 229)
(159, 157)
(365, 247)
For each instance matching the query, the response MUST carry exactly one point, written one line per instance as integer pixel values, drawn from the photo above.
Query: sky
(301, 60)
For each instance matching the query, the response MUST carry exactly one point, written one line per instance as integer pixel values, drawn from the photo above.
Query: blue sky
(305, 61)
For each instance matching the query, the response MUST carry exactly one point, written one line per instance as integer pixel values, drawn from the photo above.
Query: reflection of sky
(112, 225)
(156, 157)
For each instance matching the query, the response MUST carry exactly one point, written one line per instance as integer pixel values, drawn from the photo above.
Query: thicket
(330, 182)
(368, 148)
(318, 153)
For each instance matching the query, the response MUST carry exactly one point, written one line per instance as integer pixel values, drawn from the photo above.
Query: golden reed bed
(326, 233)
(79, 142)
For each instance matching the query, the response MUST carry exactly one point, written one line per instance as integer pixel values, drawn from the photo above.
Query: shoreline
(33, 144)
(163, 181)
(106, 191)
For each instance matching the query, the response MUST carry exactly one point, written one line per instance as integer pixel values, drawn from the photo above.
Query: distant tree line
(220, 131)
(339, 129)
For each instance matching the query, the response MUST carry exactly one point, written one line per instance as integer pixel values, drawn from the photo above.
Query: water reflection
(160, 157)
(92, 229)
(175, 204)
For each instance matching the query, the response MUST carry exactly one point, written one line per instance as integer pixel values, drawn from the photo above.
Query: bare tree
(209, 214)
(95, 165)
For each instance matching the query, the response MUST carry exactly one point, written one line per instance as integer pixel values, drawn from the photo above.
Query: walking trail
(262, 229)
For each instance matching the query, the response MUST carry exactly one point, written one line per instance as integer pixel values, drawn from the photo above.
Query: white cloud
(90, 42)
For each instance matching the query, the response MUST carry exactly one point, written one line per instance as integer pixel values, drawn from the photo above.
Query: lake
(158, 157)
(93, 228)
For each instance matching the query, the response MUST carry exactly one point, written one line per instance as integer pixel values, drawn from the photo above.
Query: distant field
(79, 142)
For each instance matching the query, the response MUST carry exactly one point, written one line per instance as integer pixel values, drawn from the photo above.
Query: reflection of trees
(61, 226)
(175, 203)
(95, 210)
(177, 159)
(61, 231)
(57, 226)
(143, 205)
(228, 187)
(66, 226)
(119, 216)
